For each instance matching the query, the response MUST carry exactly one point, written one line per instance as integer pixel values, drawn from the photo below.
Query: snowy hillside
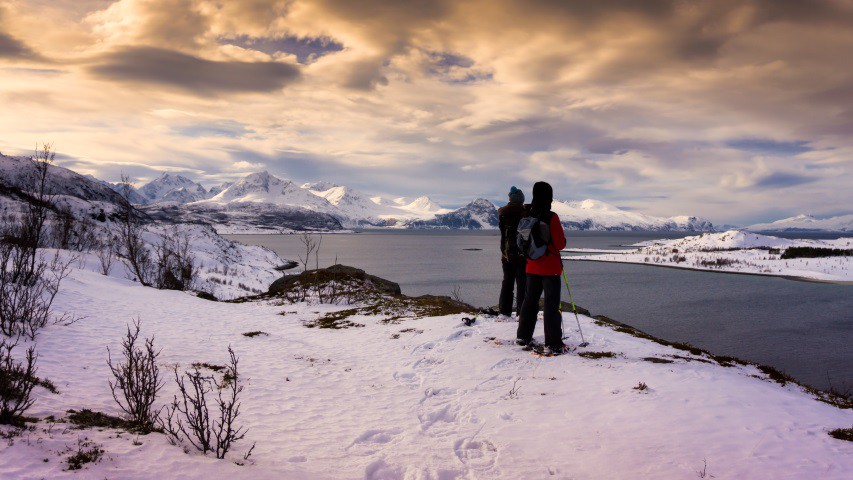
(737, 251)
(217, 189)
(807, 223)
(425, 398)
(353, 205)
(61, 181)
(132, 192)
(596, 215)
(423, 207)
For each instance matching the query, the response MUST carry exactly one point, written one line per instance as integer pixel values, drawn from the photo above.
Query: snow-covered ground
(423, 399)
(736, 251)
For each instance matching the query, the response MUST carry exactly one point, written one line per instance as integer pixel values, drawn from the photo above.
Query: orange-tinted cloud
(611, 99)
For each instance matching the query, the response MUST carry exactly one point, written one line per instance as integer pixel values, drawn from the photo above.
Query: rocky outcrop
(337, 273)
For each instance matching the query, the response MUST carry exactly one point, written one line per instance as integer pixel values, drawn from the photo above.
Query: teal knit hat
(516, 195)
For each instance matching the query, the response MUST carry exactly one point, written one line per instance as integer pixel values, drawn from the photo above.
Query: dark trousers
(553, 320)
(514, 276)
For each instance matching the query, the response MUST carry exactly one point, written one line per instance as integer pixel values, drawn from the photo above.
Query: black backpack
(533, 237)
(510, 246)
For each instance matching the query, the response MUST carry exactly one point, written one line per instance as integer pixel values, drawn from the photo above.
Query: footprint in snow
(459, 334)
(427, 362)
(437, 392)
(504, 363)
(372, 441)
(379, 470)
(439, 420)
(407, 378)
(476, 454)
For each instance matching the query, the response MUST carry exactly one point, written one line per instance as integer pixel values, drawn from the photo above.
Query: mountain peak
(167, 187)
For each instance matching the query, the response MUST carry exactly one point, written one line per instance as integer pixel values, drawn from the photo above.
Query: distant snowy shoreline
(677, 267)
(735, 252)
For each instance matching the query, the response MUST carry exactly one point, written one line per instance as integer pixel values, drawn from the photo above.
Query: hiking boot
(522, 342)
(503, 318)
(558, 350)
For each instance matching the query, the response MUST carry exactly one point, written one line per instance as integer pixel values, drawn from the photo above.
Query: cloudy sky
(738, 111)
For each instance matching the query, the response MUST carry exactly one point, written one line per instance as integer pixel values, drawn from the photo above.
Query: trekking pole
(584, 343)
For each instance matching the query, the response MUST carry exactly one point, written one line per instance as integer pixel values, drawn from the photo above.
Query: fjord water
(802, 328)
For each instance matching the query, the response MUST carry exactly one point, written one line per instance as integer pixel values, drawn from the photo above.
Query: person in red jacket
(543, 274)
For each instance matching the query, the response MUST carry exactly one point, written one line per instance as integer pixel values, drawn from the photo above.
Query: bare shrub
(176, 266)
(105, 255)
(17, 380)
(68, 232)
(132, 247)
(87, 452)
(137, 378)
(317, 252)
(188, 418)
(456, 293)
(62, 229)
(27, 291)
(310, 243)
(29, 281)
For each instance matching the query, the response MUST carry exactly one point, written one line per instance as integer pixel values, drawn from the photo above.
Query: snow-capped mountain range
(355, 209)
(350, 207)
(597, 215)
(806, 223)
(263, 202)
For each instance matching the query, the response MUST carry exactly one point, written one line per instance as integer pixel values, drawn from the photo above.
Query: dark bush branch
(137, 378)
(132, 247)
(29, 282)
(188, 417)
(17, 380)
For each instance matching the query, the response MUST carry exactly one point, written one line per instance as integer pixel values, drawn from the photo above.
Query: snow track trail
(423, 399)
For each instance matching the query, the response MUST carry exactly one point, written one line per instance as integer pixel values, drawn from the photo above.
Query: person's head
(543, 194)
(516, 195)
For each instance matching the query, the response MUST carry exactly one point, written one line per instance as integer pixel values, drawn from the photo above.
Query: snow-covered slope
(185, 195)
(61, 181)
(426, 399)
(169, 187)
(132, 193)
(596, 215)
(806, 223)
(354, 207)
(423, 207)
(217, 189)
(319, 186)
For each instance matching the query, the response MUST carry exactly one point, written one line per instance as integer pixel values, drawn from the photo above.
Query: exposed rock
(336, 272)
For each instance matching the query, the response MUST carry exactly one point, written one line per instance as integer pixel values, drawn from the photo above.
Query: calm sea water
(802, 328)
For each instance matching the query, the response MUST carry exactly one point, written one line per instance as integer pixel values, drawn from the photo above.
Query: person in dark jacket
(543, 274)
(512, 259)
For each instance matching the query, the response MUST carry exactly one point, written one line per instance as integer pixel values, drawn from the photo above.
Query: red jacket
(550, 263)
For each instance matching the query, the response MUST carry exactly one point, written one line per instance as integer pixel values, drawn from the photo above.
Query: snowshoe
(544, 351)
